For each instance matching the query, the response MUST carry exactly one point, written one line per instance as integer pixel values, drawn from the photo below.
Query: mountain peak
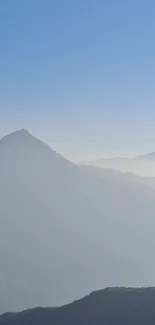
(23, 140)
(23, 131)
(17, 136)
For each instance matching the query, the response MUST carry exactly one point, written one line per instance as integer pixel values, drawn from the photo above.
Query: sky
(79, 74)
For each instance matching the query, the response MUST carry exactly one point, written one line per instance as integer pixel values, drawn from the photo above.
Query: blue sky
(80, 74)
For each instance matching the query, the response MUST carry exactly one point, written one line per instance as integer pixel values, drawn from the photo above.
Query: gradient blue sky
(80, 74)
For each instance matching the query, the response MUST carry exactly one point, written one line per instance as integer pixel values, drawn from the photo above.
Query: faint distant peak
(151, 154)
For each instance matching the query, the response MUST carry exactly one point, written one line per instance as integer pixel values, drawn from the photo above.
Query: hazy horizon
(80, 76)
(77, 155)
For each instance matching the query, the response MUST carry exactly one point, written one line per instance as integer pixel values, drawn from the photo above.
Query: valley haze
(65, 230)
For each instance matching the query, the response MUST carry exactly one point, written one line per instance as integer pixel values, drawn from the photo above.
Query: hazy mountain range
(112, 306)
(117, 176)
(66, 231)
(143, 165)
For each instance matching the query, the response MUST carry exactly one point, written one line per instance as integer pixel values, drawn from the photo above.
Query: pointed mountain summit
(21, 134)
(22, 142)
(21, 138)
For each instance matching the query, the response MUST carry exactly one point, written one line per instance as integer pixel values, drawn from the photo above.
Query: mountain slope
(65, 231)
(113, 306)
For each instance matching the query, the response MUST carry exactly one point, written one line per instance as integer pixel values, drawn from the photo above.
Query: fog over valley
(66, 229)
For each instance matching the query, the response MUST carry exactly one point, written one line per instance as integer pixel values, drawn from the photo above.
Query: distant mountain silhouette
(143, 165)
(65, 231)
(112, 306)
(114, 175)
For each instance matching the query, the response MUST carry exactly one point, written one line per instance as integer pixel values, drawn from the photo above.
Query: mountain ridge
(112, 305)
(116, 175)
(143, 165)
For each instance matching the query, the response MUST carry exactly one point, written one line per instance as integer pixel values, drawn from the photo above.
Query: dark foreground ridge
(112, 306)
